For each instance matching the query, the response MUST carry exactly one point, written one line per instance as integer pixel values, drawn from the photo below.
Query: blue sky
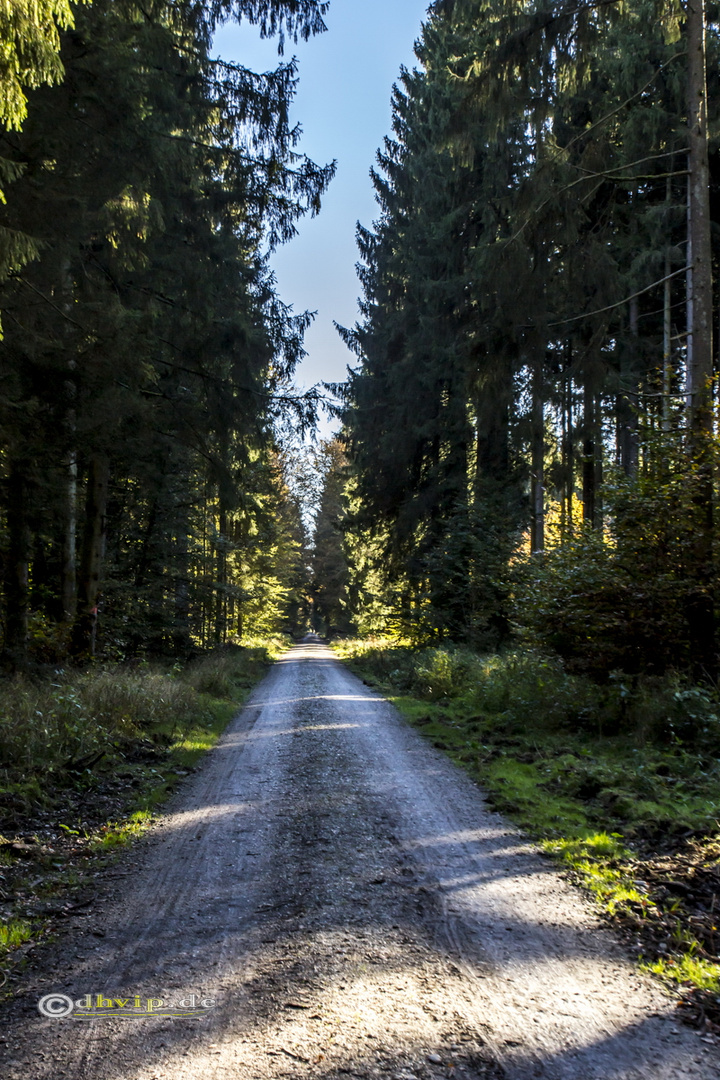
(343, 104)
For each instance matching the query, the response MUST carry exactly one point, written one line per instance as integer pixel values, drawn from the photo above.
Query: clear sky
(343, 105)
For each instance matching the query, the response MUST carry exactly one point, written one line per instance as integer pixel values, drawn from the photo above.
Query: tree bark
(537, 467)
(701, 605)
(16, 569)
(627, 403)
(181, 598)
(700, 366)
(69, 554)
(667, 330)
(93, 552)
(588, 465)
(221, 575)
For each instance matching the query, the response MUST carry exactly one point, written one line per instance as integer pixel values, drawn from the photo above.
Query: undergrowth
(64, 731)
(602, 775)
(87, 757)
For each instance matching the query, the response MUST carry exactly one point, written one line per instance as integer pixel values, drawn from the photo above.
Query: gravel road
(328, 896)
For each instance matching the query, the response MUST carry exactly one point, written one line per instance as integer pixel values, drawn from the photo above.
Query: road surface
(329, 896)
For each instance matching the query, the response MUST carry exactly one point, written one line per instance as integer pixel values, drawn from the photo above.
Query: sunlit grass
(688, 970)
(115, 834)
(14, 933)
(597, 862)
(152, 725)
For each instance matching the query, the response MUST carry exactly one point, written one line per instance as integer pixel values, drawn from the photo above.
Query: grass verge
(86, 760)
(620, 783)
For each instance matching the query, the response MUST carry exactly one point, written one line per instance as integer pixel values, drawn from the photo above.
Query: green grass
(115, 834)
(688, 970)
(13, 934)
(152, 725)
(597, 860)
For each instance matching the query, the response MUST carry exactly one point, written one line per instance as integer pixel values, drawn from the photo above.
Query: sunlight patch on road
(201, 816)
(259, 736)
(466, 836)
(381, 1008)
(364, 698)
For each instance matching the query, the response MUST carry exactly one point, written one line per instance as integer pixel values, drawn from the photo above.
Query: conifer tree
(560, 131)
(147, 356)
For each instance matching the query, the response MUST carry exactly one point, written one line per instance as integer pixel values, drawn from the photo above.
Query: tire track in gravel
(341, 892)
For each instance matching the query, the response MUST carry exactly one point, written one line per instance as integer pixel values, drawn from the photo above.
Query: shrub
(442, 673)
(625, 599)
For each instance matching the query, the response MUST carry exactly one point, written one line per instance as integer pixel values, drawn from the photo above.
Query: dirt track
(343, 896)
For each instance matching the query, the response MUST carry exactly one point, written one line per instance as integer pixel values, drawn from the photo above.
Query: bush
(527, 689)
(442, 673)
(626, 599)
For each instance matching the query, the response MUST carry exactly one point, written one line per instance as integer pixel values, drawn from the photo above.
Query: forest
(146, 357)
(514, 531)
(528, 440)
(530, 429)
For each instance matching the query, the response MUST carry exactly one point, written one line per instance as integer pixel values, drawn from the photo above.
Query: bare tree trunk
(700, 366)
(16, 569)
(181, 631)
(599, 515)
(701, 614)
(667, 330)
(69, 553)
(569, 471)
(68, 582)
(588, 466)
(221, 576)
(537, 467)
(563, 460)
(667, 351)
(93, 553)
(627, 403)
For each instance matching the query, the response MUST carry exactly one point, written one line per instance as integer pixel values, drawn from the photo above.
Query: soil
(329, 896)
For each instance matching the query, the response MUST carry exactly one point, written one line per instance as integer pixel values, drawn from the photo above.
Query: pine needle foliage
(148, 360)
(522, 342)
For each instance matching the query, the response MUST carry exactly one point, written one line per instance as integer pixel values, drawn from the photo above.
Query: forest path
(341, 893)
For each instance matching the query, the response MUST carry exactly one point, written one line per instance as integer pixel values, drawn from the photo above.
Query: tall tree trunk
(181, 598)
(588, 465)
(69, 553)
(568, 445)
(221, 575)
(700, 366)
(16, 568)
(598, 464)
(667, 350)
(537, 467)
(68, 582)
(667, 370)
(93, 552)
(701, 614)
(627, 403)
